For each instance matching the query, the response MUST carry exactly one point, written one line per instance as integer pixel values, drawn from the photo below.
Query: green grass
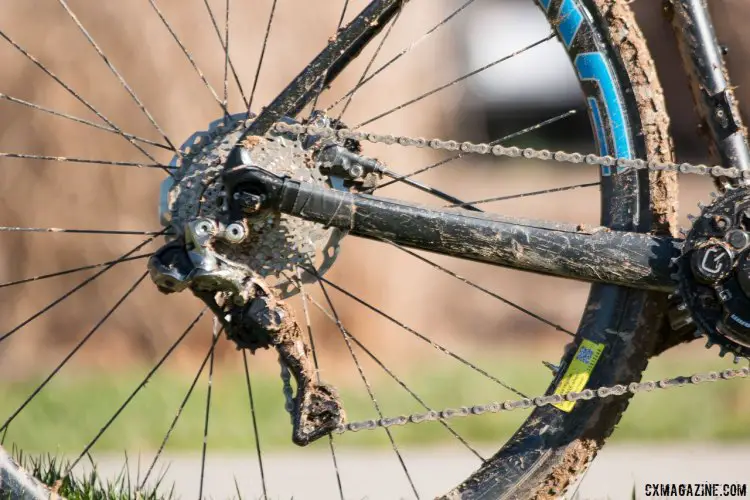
(68, 413)
(50, 470)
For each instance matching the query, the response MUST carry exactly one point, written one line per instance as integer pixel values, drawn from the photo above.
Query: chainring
(714, 272)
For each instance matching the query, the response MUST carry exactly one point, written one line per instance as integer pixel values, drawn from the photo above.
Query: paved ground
(376, 475)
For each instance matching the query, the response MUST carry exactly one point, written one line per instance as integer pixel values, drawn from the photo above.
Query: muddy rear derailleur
(251, 314)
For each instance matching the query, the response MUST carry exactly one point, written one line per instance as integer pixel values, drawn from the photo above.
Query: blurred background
(504, 99)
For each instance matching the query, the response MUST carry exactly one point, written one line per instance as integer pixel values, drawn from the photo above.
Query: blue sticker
(593, 66)
(569, 21)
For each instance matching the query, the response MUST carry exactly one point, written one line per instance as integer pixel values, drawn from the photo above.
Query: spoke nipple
(736, 359)
(713, 194)
(553, 368)
(691, 217)
(701, 205)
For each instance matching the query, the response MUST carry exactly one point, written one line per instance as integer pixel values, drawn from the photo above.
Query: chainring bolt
(738, 239)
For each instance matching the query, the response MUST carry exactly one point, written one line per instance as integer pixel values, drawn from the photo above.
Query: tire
(626, 106)
(553, 448)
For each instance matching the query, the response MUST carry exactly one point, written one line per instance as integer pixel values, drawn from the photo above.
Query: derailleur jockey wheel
(714, 275)
(242, 259)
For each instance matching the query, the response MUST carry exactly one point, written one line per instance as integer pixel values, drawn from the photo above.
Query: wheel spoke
(329, 63)
(400, 382)
(117, 74)
(217, 330)
(75, 94)
(369, 64)
(321, 85)
(457, 80)
(137, 390)
(524, 195)
(76, 231)
(75, 350)
(188, 55)
(225, 47)
(366, 382)
(82, 121)
(70, 271)
(262, 55)
(64, 159)
(226, 56)
(311, 338)
(178, 414)
(74, 290)
(414, 332)
(401, 54)
(427, 189)
(255, 425)
(458, 156)
(481, 289)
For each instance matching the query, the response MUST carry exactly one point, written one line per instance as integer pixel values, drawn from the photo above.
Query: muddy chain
(622, 165)
(541, 401)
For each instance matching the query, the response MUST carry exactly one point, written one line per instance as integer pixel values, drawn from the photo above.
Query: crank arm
(594, 254)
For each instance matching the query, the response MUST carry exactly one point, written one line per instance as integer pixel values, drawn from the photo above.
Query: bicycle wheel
(609, 57)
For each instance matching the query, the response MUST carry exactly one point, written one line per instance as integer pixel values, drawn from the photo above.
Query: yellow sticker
(577, 375)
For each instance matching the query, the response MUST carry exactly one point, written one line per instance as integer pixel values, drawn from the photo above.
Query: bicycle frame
(702, 59)
(591, 254)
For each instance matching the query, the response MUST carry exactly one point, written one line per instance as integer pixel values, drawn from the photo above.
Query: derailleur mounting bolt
(738, 239)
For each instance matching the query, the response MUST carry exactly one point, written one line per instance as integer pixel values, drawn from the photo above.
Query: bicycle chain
(622, 165)
(541, 401)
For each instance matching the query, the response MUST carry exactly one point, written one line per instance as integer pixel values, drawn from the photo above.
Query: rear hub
(270, 244)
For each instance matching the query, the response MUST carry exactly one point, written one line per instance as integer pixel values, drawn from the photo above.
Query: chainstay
(541, 401)
(621, 164)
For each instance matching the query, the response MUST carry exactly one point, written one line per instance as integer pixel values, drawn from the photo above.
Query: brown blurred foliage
(51, 194)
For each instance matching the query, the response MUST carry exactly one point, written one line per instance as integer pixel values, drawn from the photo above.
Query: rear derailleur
(252, 317)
